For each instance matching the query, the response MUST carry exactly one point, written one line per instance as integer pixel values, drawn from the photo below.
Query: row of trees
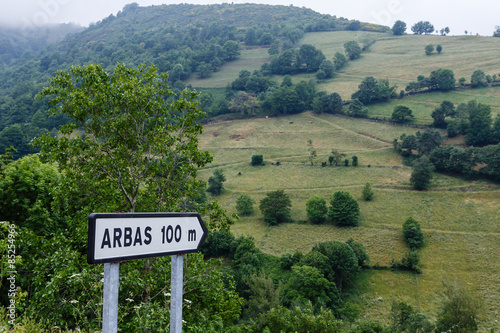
(471, 119)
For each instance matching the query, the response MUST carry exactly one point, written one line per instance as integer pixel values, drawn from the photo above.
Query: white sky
(479, 16)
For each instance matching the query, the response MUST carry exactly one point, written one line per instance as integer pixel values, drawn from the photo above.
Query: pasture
(459, 217)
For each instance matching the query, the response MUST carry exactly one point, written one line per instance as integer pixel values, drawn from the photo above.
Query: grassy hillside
(459, 218)
(400, 59)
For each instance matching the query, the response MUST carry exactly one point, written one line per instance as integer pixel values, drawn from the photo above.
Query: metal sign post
(127, 236)
(176, 284)
(110, 297)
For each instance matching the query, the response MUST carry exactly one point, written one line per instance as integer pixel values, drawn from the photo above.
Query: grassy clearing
(459, 217)
(250, 60)
(401, 59)
(422, 105)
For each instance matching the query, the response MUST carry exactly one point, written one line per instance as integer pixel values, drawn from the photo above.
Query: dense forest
(102, 120)
(183, 40)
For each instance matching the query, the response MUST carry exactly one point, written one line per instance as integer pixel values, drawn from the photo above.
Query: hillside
(459, 218)
(184, 40)
(225, 52)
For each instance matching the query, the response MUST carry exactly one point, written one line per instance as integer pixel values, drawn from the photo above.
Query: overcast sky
(479, 16)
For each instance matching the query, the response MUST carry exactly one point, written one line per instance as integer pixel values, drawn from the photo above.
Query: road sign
(127, 236)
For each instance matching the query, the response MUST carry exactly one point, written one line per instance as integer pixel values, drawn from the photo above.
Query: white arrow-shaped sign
(127, 236)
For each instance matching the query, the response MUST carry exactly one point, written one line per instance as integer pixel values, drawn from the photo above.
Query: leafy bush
(244, 205)
(344, 210)
(215, 183)
(276, 207)
(413, 234)
(316, 209)
(359, 251)
(409, 262)
(367, 193)
(257, 160)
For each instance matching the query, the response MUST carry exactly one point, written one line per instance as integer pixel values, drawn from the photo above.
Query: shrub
(344, 210)
(367, 192)
(316, 209)
(354, 161)
(257, 160)
(409, 262)
(244, 205)
(359, 251)
(413, 234)
(275, 207)
(215, 183)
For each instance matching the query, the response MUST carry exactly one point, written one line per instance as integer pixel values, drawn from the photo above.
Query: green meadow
(459, 217)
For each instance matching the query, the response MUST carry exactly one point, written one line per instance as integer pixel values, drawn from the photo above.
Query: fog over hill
(476, 17)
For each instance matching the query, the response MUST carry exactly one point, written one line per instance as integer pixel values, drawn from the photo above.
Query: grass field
(459, 218)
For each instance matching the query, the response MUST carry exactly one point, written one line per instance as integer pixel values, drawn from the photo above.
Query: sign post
(113, 238)
(176, 284)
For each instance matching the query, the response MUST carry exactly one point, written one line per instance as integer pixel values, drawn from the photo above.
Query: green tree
(442, 79)
(275, 207)
(137, 151)
(341, 259)
(371, 90)
(216, 183)
(429, 49)
(308, 283)
(244, 205)
(478, 132)
(352, 50)
(354, 161)
(312, 152)
(264, 295)
(428, 141)
(344, 209)
(398, 28)
(439, 114)
(310, 57)
(459, 312)
(337, 156)
(350, 312)
(367, 193)
(357, 109)
(422, 27)
(478, 79)
(421, 173)
(360, 252)
(413, 234)
(316, 209)
(257, 160)
(326, 70)
(27, 188)
(496, 33)
(139, 148)
(439, 49)
(339, 60)
(232, 50)
(401, 113)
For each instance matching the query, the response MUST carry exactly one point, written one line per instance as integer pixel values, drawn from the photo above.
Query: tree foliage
(422, 27)
(372, 90)
(352, 50)
(413, 234)
(421, 173)
(460, 310)
(398, 28)
(344, 209)
(275, 207)
(401, 113)
(316, 209)
(134, 137)
(367, 192)
(244, 205)
(216, 183)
